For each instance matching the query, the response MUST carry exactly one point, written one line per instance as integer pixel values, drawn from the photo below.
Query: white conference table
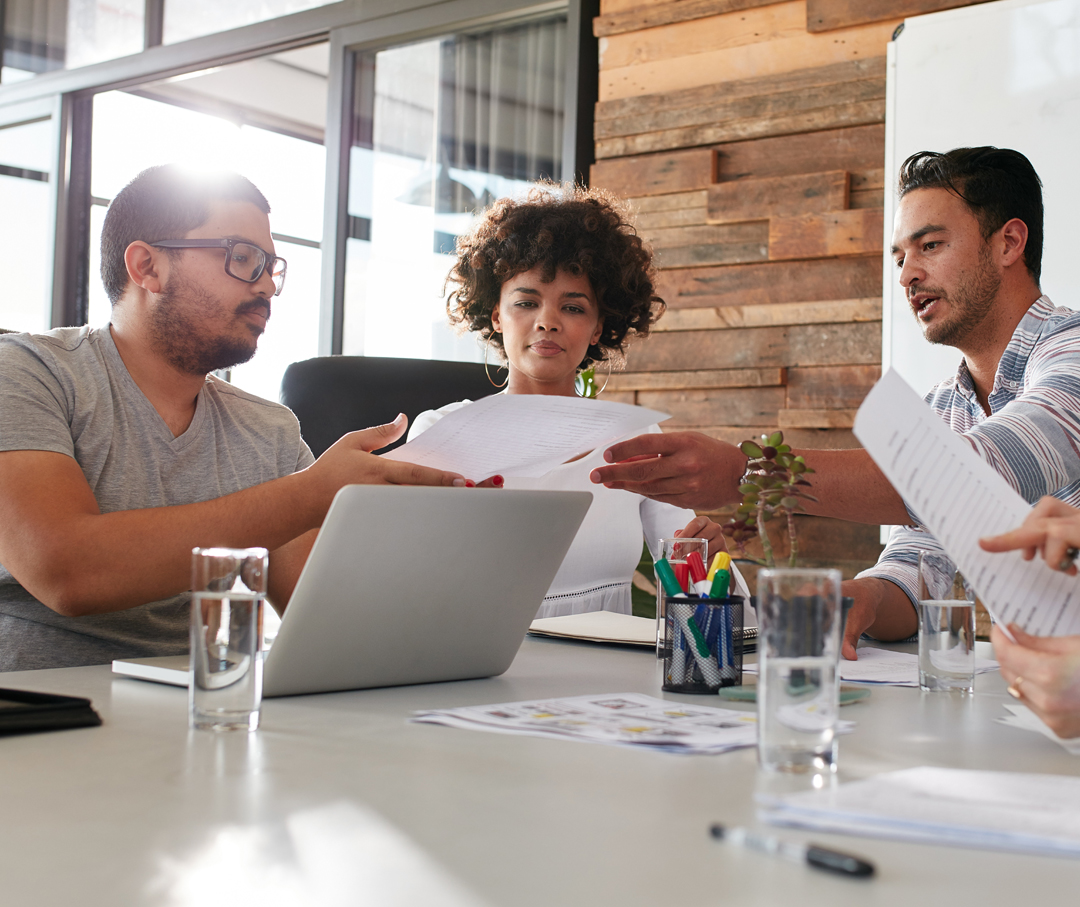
(110, 815)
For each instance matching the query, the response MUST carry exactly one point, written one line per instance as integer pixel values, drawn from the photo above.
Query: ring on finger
(1071, 554)
(1014, 688)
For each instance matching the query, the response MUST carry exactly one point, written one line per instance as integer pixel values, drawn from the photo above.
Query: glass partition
(25, 172)
(439, 130)
(43, 35)
(191, 18)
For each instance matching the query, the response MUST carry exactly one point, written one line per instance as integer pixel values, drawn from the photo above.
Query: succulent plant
(773, 485)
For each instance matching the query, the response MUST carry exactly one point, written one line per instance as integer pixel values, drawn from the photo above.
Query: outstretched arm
(76, 560)
(692, 470)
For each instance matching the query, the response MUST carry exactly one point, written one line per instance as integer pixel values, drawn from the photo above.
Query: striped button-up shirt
(1031, 436)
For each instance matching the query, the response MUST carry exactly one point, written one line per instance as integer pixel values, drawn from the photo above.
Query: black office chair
(333, 395)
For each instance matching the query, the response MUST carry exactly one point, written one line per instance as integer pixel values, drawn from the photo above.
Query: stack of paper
(996, 810)
(623, 719)
(1022, 717)
(899, 669)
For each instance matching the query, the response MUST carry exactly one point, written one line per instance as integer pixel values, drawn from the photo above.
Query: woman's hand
(701, 527)
(1043, 672)
(1052, 529)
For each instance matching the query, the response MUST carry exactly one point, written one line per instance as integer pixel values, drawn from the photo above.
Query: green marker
(699, 640)
(720, 584)
(667, 579)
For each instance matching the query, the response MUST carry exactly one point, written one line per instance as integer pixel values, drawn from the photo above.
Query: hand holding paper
(960, 498)
(522, 434)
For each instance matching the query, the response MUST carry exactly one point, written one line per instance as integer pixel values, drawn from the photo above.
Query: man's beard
(970, 304)
(178, 330)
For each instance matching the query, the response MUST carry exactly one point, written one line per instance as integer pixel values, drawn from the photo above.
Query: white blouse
(596, 572)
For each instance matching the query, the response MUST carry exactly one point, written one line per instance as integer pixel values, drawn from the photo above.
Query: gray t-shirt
(68, 391)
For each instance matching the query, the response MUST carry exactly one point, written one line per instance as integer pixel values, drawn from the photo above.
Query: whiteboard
(1005, 73)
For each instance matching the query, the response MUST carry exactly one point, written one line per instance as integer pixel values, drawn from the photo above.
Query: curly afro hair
(585, 232)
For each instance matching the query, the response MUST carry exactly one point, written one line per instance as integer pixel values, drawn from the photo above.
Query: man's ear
(1014, 237)
(143, 263)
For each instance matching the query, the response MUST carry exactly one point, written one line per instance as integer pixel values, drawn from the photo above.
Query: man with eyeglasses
(120, 452)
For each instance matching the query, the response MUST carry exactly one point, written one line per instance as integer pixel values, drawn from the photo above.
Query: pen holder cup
(703, 644)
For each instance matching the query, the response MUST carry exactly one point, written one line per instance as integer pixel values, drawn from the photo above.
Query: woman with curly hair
(554, 284)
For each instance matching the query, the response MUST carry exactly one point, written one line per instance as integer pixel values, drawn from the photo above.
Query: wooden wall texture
(750, 137)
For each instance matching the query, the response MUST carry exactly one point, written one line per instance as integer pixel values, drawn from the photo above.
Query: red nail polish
(469, 483)
(497, 481)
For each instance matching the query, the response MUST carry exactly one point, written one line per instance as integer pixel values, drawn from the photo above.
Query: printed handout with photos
(622, 719)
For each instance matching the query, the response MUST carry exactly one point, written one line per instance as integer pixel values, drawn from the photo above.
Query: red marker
(682, 574)
(697, 566)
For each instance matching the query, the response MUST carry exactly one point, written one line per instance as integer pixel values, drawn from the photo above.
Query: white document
(961, 498)
(1020, 716)
(997, 810)
(886, 666)
(623, 719)
(522, 435)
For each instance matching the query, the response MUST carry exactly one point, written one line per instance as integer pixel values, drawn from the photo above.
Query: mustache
(929, 291)
(253, 305)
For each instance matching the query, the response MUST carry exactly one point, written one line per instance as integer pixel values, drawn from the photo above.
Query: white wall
(1006, 74)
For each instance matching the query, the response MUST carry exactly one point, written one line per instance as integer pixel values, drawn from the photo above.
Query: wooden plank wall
(750, 137)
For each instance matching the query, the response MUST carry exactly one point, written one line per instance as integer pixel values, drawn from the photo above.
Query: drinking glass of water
(228, 588)
(946, 627)
(798, 683)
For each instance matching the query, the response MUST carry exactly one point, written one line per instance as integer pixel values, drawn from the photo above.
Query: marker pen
(696, 566)
(682, 575)
(722, 561)
(667, 578)
(818, 857)
(719, 588)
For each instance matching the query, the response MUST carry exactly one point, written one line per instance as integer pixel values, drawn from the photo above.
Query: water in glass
(798, 713)
(226, 661)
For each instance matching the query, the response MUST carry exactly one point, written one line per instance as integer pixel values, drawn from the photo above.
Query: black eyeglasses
(243, 260)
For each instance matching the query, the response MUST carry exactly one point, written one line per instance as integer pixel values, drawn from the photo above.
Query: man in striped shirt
(967, 242)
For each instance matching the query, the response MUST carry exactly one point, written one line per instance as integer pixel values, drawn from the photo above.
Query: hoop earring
(488, 372)
(606, 380)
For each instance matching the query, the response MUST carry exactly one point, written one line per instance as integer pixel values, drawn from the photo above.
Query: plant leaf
(751, 450)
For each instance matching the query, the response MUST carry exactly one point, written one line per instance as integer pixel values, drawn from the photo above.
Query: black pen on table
(818, 857)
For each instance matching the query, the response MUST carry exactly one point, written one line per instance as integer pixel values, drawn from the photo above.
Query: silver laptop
(412, 585)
